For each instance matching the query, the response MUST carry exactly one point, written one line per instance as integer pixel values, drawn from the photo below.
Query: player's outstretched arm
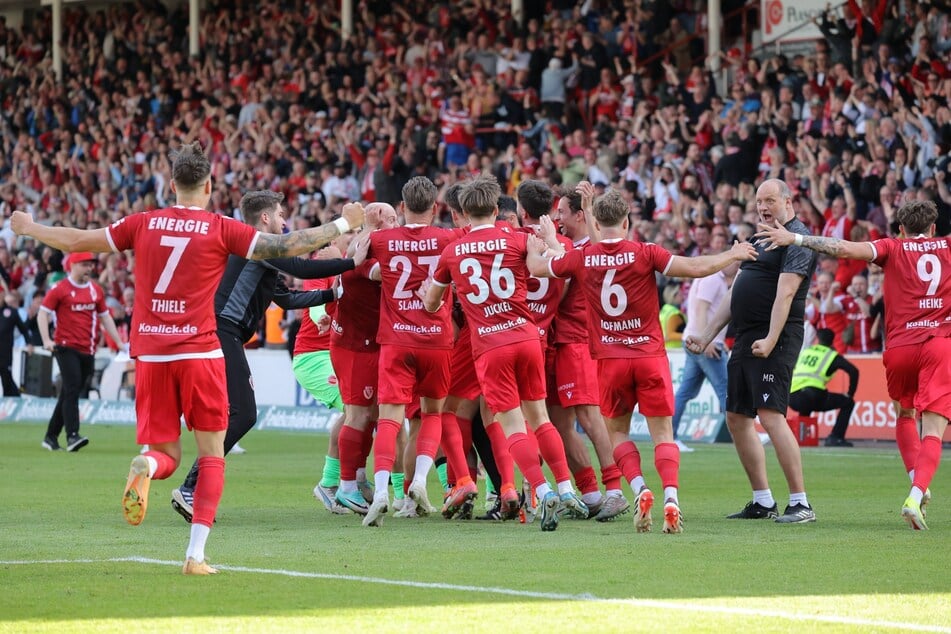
(270, 246)
(705, 265)
(778, 236)
(62, 238)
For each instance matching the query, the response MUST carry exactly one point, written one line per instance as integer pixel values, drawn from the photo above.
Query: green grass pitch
(69, 563)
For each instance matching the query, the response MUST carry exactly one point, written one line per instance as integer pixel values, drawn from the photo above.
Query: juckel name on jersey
(429, 244)
(496, 309)
(608, 260)
(179, 225)
(485, 246)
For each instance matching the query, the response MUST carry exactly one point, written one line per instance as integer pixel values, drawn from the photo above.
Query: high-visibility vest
(666, 312)
(812, 368)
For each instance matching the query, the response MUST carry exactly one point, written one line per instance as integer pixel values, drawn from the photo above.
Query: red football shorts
(405, 371)
(511, 374)
(643, 381)
(357, 374)
(576, 375)
(164, 391)
(465, 383)
(919, 376)
(551, 384)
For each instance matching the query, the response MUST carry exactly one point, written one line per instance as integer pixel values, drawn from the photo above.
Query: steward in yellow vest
(811, 375)
(672, 319)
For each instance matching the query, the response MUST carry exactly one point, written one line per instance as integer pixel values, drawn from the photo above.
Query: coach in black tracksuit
(246, 290)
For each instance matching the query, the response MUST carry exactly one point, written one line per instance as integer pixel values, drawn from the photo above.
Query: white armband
(343, 226)
(798, 240)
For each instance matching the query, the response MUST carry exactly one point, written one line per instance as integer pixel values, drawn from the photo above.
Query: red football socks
(457, 464)
(430, 432)
(350, 447)
(667, 462)
(500, 451)
(384, 447)
(611, 477)
(908, 441)
(526, 459)
(628, 460)
(553, 451)
(928, 459)
(585, 480)
(166, 464)
(211, 482)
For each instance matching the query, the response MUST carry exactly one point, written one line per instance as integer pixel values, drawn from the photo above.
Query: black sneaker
(833, 441)
(494, 514)
(798, 514)
(755, 511)
(182, 500)
(75, 443)
(50, 444)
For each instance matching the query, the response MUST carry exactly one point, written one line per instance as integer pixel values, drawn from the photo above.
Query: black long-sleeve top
(9, 321)
(248, 287)
(841, 363)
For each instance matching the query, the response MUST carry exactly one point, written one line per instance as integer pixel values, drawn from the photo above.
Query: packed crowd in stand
(622, 175)
(453, 90)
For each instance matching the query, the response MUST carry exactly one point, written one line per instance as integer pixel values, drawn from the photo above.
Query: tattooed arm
(777, 236)
(839, 248)
(269, 245)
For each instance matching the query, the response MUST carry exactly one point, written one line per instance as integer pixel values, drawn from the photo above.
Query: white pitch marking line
(553, 596)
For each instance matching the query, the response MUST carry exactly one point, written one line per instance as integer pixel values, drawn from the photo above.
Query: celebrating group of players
(567, 323)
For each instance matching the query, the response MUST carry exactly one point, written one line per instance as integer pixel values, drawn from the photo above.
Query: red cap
(79, 256)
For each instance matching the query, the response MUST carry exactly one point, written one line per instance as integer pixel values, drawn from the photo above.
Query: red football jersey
(545, 293)
(917, 284)
(617, 277)
(491, 277)
(309, 338)
(181, 255)
(357, 319)
(78, 308)
(571, 321)
(406, 256)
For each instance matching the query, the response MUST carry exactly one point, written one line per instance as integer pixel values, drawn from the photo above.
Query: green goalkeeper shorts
(315, 373)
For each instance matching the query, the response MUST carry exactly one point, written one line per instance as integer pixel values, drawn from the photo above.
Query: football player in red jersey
(415, 347)
(179, 364)
(355, 355)
(573, 392)
(917, 290)
(618, 280)
(487, 267)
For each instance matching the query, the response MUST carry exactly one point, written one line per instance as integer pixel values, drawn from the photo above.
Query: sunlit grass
(857, 569)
